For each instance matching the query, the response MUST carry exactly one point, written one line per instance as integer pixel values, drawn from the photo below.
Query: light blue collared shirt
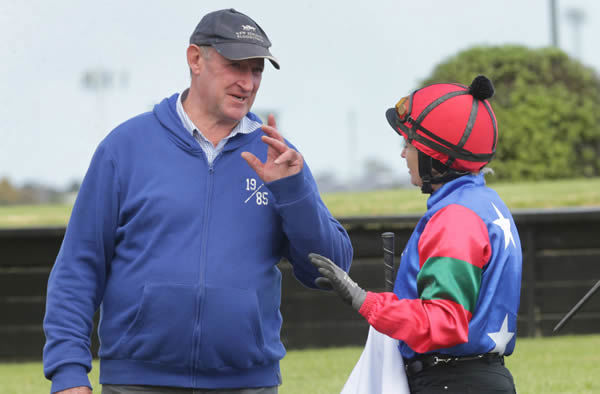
(245, 126)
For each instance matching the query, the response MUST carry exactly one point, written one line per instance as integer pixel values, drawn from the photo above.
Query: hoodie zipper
(201, 296)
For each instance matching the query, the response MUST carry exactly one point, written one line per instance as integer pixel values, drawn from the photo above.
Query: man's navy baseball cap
(234, 35)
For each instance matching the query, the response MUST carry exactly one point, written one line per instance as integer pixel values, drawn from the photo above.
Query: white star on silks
(504, 224)
(501, 338)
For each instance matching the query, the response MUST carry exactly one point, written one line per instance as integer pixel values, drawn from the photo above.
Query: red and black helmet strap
(493, 118)
(454, 151)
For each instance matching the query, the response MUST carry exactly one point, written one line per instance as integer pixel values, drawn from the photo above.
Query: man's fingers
(271, 121)
(276, 144)
(289, 156)
(272, 132)
(253, 162)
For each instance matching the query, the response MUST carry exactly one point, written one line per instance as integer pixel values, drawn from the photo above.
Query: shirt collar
(244, 126)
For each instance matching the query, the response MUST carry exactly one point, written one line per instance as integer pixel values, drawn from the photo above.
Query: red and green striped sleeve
(453, 249)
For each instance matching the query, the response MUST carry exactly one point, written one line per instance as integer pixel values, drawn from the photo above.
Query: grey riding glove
(335, 278)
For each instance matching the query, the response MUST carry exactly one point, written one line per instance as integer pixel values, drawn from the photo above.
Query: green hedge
(547, 106)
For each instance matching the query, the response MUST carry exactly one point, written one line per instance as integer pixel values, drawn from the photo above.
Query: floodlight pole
(99, 81)
(352, 144)
(553, 24)
(576, 16)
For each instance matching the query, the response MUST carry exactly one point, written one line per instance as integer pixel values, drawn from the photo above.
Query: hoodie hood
(166, 113)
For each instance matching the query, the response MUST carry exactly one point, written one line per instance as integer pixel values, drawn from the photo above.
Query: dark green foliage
(547, 106)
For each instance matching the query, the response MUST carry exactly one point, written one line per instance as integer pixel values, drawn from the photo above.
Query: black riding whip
(577, 306)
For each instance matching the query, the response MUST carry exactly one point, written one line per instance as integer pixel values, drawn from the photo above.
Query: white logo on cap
(247, 33)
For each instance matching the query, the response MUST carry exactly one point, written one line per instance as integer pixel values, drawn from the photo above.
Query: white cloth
(380, 368)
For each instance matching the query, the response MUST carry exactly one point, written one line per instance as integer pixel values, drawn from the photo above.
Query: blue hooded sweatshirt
(181, 258)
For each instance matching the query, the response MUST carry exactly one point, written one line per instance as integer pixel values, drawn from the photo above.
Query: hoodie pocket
(163, 326)
(231, 330)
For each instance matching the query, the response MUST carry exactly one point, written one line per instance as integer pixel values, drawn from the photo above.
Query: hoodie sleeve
(76, 282)
(309, 226)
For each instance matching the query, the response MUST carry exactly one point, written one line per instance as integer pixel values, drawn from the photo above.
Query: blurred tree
(8, 193)
(546, 105)
(73, 187)
(328, 182)
(377, 175)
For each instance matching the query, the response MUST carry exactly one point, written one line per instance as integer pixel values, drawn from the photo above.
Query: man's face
(411, 155)
(229, 86)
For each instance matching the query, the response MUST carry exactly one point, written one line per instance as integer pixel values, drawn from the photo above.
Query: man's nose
(246, 80)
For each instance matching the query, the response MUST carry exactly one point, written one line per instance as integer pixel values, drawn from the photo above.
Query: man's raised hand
(282, 161)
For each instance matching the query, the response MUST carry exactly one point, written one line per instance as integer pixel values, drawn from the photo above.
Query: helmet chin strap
(427, 164)
(425, 173)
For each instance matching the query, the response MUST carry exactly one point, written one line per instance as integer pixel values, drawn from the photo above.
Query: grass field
(549, 194)
(564, 193)
(18, 216)
(566, 365)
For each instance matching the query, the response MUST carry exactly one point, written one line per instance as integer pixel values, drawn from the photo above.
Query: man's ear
(195, 59)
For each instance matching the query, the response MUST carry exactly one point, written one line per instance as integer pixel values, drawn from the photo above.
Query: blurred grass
(564, 364)
(46, 215)
(547, 194)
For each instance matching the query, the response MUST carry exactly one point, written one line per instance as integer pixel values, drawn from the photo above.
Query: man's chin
(237, 114)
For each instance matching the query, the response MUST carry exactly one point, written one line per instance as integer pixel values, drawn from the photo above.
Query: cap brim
(244, 51)
(390, 115)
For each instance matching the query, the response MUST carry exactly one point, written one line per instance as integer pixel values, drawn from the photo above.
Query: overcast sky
(343, 63)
